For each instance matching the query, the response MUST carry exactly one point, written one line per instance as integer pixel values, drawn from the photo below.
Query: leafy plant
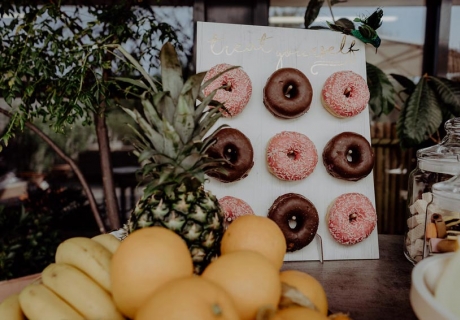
(54, 66)
(425, 105)
(30, 231)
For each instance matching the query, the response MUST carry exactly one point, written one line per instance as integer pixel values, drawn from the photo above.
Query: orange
(299, 313)
(250, 278)
(191, 298)
(308, 285)
(256, 233)
(145, 260)
(339, 316)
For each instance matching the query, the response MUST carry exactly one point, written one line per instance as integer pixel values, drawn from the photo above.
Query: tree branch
(73, 165)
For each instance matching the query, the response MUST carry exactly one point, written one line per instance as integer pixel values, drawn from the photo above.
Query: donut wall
(317, 54)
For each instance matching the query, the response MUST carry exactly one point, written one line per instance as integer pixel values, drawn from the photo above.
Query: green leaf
(204, 103)
(406, 83)
(381, 89)
(191, 89)
(151, 114)
(137, 65)
(448, 92)
(130, 112)
(209, 140)
(209, 119)
(165, 106)
(312, 12)
(137, 83)
(146, 155)
(155, 138)
(184, 120)
(172, 142)
(171, 71)
(420, 117)
(140, 144)
(190, 161)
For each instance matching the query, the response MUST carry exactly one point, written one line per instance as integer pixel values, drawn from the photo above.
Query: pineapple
(171, 147)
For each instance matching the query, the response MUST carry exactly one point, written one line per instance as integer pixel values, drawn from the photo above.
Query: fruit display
(160, 256)
(171, 150)
(76, 286)
(151, 277)
(174, 258)
(11, 309)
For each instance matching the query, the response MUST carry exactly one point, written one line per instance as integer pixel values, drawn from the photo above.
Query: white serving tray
(317, 53)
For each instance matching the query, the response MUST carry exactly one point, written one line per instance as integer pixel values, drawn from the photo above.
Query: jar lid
(443, 157)
(447, 165)
(446, 194)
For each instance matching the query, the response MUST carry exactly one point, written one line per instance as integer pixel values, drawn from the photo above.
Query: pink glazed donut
(345, 94)
(237, 92)
(234, 208)
(351, 218)
(291, 156)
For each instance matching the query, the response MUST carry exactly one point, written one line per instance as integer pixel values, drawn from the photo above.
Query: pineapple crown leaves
(170, 139)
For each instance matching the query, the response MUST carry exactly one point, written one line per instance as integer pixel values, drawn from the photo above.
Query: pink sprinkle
(345, 94)
(239, 90)
(291, 156)
(351, 218)
(234, 208)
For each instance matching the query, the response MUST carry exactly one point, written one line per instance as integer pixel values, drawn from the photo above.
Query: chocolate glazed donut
(297, 217)
(287, 93)
(348, 156)
(232, 145)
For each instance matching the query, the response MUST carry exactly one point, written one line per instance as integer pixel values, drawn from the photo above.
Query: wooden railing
(391, 172)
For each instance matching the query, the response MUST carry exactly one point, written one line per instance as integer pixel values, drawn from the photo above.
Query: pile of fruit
(76, 286)
(150, 275)
(176, 261)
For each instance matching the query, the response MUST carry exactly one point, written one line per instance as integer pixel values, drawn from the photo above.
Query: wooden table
(366, 289)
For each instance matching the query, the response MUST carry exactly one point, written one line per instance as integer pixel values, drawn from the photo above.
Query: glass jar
(441, 221)
(435, 164)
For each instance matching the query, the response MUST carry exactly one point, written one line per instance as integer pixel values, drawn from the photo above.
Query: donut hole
(227, 86)
(230, 153)
(292, 155)
(353, 155)
(290, 91)
(296, 220)
(352, 217)
(292, 222)
(347, 92)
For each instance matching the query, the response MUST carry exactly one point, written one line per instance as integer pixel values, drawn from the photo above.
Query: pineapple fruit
(171, 147)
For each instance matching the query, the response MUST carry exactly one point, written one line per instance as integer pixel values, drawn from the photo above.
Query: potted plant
(55, 69)
(423, 106)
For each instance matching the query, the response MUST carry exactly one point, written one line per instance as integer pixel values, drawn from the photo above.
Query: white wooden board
(260, 51)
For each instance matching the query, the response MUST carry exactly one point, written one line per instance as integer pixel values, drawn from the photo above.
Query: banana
(38, 303)
(80, 292)
(109, 241)
(10, 308)
(88, 256)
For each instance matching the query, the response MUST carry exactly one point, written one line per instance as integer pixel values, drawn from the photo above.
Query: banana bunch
(76, 286)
